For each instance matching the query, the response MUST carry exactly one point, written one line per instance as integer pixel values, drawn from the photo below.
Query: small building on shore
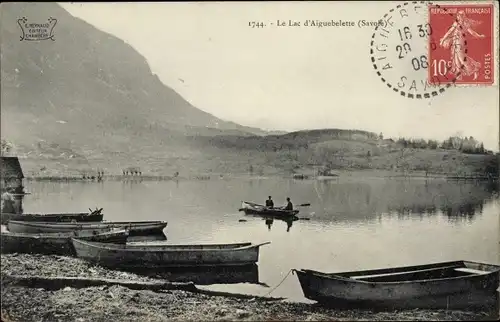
(12, 176)
(11, 173)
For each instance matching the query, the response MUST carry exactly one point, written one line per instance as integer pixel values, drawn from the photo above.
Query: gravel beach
(105, 303)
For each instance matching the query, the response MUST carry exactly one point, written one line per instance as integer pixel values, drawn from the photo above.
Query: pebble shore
(22, 304)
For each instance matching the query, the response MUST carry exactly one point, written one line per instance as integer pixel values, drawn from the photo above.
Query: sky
(292, 77)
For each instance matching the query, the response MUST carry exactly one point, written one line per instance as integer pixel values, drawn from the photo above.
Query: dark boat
(54, 217)
(204, 275)
(57, 243)
(161, 256)
(424, 286)
(134, 227)
(251, 208)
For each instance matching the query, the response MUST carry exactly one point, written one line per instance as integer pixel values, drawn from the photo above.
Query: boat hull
(159, 256)
(134, 228)
(62, 217)
(58, 243)
(204, 275)
(432, 292)
(272, 213)
(255, 209)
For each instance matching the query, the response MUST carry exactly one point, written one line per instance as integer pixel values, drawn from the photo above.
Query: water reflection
(359, 200)
(342, 218)
(269, 221)
(455, 212)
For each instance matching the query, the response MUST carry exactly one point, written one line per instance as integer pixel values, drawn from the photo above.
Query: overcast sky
(287, 78)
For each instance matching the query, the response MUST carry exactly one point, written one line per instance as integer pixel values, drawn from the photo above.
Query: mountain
(89, 89)
(87, 100)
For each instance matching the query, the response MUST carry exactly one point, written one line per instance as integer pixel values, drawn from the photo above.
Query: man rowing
(289, 205)
(270, 202)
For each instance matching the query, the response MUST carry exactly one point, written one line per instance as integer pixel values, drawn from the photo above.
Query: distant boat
(56, 243)
(158, 256)
(54, 217)
(134, 227)
(251, 208)
(300, 176)
(401, 287)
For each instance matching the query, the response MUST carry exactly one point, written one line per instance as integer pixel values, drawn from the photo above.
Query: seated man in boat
(270, 202)
(289, 205)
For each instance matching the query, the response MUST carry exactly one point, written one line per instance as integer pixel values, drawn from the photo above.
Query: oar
(304, 205)
(253, 203)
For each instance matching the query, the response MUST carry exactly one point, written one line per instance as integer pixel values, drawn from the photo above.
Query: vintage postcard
(329, 160)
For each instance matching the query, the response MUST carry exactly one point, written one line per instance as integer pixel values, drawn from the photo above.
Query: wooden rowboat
(204, 275)
(56, 217)
(134, 227)
(251, 208)
(56, 243)
(423, 286)
(158, 256)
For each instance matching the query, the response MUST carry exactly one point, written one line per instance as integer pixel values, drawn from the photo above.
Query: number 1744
(255, 24)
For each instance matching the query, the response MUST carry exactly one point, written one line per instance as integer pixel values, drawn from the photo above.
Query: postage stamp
(462, 44)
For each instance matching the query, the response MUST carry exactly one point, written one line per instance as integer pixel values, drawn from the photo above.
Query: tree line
(463, 144)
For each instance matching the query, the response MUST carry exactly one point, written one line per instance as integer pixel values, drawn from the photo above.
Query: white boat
(134, 227)
(157, 256)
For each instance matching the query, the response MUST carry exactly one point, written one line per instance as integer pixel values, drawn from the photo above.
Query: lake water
(354, 223)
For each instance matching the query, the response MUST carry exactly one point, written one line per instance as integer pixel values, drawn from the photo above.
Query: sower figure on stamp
(455, 39)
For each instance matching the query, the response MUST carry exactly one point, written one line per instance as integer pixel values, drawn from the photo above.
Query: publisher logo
(37, 31)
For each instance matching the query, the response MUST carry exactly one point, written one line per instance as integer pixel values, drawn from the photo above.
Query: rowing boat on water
(56, 243)
(251, 208)
(134, 227)
(420, 286)
(55, 217)
(157, 256)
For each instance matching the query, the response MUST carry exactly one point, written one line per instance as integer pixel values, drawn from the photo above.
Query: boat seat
(357, 277)
(470, 271)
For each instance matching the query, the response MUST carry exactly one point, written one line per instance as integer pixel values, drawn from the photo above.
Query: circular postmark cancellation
(400, 49)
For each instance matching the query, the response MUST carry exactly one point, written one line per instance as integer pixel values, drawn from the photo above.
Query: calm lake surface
(354, 223)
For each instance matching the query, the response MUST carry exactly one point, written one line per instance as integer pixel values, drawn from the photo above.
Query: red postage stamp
(461, 44)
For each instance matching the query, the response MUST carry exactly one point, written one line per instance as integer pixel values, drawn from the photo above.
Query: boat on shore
(57, 243)
(134, 227)
(93, 216)
(204, 275)
(250, 208)
(163, 256)
(422, 286)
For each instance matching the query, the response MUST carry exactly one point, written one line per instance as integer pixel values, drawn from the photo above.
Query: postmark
(36, 31)
(400, 48)
(469, 23)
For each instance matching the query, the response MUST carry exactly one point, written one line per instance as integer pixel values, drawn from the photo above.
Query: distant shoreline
(344, 174)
